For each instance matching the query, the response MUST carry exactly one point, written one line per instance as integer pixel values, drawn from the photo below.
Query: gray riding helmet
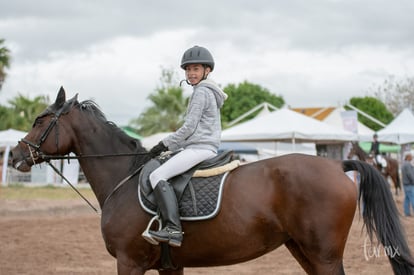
(197, 55)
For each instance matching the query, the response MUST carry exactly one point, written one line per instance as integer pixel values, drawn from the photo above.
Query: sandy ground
(64, 237)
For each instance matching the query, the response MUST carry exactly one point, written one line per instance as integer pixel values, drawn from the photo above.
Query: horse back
(294, 183)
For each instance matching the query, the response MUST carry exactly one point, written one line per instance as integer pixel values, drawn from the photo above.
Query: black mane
(92, 109)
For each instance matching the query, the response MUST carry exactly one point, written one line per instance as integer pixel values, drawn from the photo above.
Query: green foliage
(244, 97)
(168, 107)
(374, 108)
(4, 62)
(22, 112)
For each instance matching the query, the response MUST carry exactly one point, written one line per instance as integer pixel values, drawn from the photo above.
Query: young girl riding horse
(198, 137)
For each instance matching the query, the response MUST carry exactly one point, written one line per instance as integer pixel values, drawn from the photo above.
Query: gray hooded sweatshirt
(202, 124)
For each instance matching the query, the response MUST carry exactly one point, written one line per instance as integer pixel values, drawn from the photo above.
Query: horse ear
(65, 108)
(73, 100)
(61, 98)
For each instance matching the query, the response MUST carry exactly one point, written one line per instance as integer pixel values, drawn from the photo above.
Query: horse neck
(362, 156)
(103, 173)
(361, 153)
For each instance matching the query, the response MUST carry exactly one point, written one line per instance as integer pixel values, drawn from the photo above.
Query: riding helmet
(197, 55)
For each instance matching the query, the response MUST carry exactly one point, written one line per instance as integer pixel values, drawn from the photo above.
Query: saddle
(198, 197)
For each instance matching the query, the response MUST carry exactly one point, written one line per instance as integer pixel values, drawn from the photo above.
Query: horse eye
(38, 121)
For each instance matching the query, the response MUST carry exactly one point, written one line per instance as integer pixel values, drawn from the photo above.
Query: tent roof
(334, 118)
(400, 130)
(11, 137)
(286, 125)
(131, 133)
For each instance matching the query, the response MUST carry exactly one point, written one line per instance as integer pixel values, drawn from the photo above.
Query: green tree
(6, 120)
(373, 107)
(396, 94)
(245, 96)
(23, 111)
(168, 107)
(4, 62)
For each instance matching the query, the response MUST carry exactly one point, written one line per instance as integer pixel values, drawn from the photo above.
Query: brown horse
(306, 203)
(392, 169)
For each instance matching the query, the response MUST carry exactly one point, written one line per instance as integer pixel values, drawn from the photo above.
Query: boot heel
(174, 243)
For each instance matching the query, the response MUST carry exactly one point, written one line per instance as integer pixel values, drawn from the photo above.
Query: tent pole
(5, 164)
(293, 143)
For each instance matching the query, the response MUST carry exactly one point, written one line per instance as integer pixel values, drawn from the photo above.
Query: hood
(218, 92)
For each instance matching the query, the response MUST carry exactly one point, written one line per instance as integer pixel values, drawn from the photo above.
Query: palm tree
(25, 110)
(4, 62)
(167, 112)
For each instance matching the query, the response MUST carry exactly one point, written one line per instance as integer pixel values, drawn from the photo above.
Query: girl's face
(195, 73)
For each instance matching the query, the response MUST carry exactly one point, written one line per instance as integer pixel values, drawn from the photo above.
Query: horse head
(352, 152)
(47, 136)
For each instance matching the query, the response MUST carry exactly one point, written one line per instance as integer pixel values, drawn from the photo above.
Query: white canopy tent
(335, 119)
(39, 174)
(8, 138)
(400, 130)
(288, 126)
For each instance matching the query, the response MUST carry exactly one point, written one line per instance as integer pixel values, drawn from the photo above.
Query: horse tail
(381, 216)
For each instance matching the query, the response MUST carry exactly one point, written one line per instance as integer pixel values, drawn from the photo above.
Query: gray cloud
(271, 42)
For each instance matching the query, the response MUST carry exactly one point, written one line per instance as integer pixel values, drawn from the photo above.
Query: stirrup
(146, 235)
(168, 237)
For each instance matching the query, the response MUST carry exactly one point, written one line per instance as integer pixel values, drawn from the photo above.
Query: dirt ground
(64, 237)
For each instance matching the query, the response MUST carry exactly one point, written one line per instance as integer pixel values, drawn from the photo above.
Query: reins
(50, 157)
(73, 187)
(47, 159)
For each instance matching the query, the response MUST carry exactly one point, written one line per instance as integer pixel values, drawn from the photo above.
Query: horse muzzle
(23, 161)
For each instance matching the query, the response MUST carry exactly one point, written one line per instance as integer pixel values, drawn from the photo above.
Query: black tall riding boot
(171, 232)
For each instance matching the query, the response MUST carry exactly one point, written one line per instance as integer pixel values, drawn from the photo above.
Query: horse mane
(92, 109)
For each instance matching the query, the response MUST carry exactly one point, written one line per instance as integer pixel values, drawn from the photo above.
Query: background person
(375, 151)
(407, 171)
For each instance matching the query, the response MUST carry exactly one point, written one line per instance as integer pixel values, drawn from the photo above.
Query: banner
(350, 121)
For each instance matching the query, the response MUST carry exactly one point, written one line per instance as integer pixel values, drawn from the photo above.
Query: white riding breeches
(381, 160)
(179, 163)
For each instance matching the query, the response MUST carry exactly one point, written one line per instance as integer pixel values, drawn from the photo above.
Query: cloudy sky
(312, 53)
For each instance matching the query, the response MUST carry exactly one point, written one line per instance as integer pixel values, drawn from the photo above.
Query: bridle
(36, 153)
(34, 149)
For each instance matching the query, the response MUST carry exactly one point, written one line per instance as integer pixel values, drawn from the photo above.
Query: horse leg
(179, 271)
(394, 180)
(312, 267)
(127, 269)
(299, 256)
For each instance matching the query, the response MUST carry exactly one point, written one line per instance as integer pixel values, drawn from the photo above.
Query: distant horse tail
(381, 216)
